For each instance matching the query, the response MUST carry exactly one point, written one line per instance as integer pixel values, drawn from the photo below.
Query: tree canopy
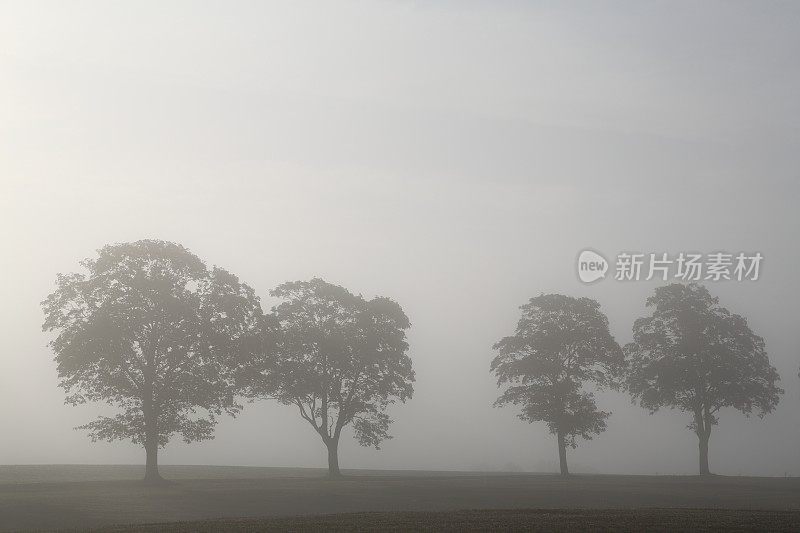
(561, 344)
(340, 360)
(151, 330)
(694, 355)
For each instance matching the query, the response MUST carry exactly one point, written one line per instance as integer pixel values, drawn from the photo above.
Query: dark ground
(502, 520)
(103, 497)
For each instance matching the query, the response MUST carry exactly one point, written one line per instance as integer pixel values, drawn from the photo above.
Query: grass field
(255, 499)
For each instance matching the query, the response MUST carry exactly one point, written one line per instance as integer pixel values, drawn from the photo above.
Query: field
(502, 520)
(255, 499)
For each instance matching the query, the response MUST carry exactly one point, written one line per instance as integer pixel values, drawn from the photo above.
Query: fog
(454, 156)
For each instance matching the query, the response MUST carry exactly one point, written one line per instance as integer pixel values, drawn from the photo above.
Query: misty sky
(455, 156)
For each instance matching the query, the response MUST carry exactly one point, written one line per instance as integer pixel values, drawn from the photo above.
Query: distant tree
(340, 360)
(561, 344)
(694, 355)
(149, 329)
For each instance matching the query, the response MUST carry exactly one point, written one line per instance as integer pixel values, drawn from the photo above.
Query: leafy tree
(694, 355)
(561, 344)
(149, 329)
(340, 360)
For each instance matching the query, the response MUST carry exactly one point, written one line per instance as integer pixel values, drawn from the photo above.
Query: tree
(340, 360)
(561, 344)
(149, 329)
(694, 355)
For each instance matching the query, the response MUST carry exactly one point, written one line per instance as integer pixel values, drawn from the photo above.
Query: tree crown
(560, 344)
(695, 355)
(148, 327)
(340, 359)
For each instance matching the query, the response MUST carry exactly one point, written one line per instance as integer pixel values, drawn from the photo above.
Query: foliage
(694, 355)
(340, 360)
(149, 329)
(561, 343)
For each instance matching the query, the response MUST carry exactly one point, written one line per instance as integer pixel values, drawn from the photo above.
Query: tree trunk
(702, 422)
(151, 474)
(562, 454)
(333, 458)
(703, 438)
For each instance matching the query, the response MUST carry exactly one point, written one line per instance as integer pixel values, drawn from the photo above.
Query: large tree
(561, 345)
(148, 328)
(340, 360)
(694, 355)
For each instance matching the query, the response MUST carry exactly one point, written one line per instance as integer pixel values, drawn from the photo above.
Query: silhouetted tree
(696, 356)
(340, 360)
(561, 344)
(149, 329)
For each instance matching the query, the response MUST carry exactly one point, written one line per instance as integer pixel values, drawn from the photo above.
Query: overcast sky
(455, 156)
